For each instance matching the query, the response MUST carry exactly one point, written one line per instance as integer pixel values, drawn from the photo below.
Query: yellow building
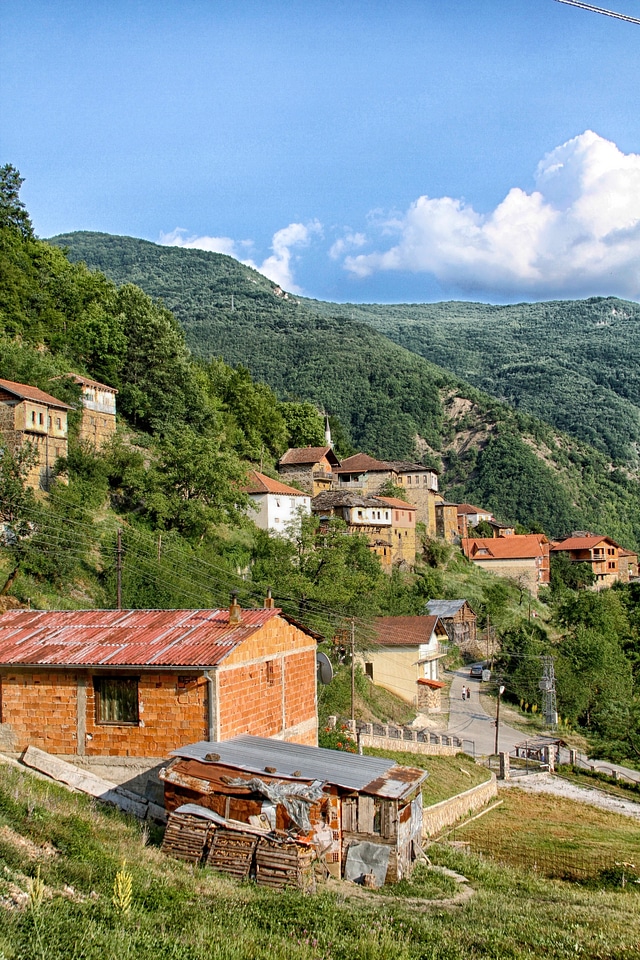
(31, 416)
(98, 423)
(403, 531)
(403, 656)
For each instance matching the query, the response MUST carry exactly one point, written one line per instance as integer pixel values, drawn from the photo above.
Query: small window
(271, 673)
(49, 423)
(409, 480)
(40, 419)
(116, 700)
(33, 417)
(58, 423)
(368, 669)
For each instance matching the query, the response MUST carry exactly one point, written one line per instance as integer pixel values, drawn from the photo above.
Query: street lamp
(500, 692)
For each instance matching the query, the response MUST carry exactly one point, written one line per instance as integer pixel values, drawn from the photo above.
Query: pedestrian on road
(468, 689)
(464, 692)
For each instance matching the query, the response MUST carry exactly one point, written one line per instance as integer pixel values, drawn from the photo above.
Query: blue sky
(355, 151)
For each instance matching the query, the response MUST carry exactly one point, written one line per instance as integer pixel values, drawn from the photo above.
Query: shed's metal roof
(444, 608)
(119, 638)
(294, 760)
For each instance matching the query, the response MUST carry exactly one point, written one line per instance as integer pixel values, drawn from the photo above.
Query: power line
(592, 9)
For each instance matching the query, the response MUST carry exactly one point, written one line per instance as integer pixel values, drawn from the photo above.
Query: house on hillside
(268, 803)
(310, 467)
(31, 416)
(601, 553)
(523, 558)
(403, 531)
(403, 656)
(458, 619)
(627, 565)
(370, 516)
(98, 422)
(278, 507)
(470, 516)
(364, 474)
(141, 683)
(446, 514)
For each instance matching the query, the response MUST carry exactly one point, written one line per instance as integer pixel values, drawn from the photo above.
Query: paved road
(468, 720)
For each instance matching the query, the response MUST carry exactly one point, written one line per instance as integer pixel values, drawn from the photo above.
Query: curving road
(468, 720)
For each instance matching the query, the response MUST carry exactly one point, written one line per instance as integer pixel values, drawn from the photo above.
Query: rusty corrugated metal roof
(373, 775)
(126, 637)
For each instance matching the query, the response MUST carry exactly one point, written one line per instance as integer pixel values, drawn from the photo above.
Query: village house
(270, 802)
(446, 514)
(278, 508)
(98, 422)
(470, 516)
(403, 531)
(403, 656)
(523, 558)
(141, 683)
(458, 619)
(627, 565)
(30, 416)
(370, 516)
(601, 553)
(310, 467)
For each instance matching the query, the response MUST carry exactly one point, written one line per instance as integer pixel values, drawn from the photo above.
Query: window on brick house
(116, 700)
(271, 673)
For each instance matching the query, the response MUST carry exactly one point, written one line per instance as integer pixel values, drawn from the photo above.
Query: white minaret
(327, 432)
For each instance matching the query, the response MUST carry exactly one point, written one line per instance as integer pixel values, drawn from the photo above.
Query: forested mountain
(575, 364)
(389, 401)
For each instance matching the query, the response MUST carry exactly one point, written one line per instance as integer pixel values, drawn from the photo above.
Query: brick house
(370, 516)
(277, 506)
(311, 467)
(98, 422)
(31, 416)
(601, 553)
(403, 656)
(403, 531)
(521, 557)
(140, 683)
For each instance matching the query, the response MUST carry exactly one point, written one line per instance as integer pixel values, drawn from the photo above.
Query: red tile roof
(117, 638)
(470, 509)
(26, 392)
(363, 463)
(581, 543)
(406, 631)
(86, 382)
(260, 483)
(518, 547)
(307, 455)
(395, 502)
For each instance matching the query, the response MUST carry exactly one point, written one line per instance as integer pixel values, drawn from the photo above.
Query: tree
(17, 505)
(564, 573)
(13, 213)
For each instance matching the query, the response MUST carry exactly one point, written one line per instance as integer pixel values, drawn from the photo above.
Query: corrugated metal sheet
(124, 637)
(374, 775)
(444, 608)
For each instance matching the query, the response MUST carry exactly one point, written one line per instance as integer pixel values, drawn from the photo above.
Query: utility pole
(500, 692)
(548, 687)
(119, 571)
(353, 674)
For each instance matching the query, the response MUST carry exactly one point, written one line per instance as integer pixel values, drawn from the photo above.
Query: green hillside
(389, 401)
(575, 364)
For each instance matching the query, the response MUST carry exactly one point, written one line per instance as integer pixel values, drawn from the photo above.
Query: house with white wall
(277, 507)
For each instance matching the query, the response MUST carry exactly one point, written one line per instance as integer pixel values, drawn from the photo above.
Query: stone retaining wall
(436, 748)
(444, 814)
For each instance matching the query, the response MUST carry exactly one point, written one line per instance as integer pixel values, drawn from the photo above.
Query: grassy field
(447, 775)
(555, 837)
(60, 899)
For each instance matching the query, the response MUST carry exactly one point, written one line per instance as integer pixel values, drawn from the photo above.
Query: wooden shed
(361, 815)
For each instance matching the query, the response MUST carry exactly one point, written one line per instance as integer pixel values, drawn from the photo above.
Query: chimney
(235, 610)
(268, 600)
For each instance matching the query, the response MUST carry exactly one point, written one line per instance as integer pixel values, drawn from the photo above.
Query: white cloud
(578, 232)
(278, 267)
(350, 241)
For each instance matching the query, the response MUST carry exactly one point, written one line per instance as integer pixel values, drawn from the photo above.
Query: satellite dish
(325, 670)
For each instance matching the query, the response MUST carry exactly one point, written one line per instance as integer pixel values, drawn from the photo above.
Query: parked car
(476, 670)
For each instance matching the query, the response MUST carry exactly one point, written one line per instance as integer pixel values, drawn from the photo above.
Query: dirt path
(547, 783)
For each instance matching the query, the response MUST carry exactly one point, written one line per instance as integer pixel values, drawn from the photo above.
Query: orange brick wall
(41, 709)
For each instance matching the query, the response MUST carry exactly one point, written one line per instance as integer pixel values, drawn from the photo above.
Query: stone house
(403, 531)
(403, 656)
(31, 416)
(458, 619)
(446, 514)
(278, 507)
(627, 564)
(523, 558)
(310, 467)
(601, 553)
(97, 684)
(370, 516)
(98, 422)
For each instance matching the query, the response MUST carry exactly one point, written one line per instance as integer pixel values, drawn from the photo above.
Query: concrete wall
(444, 814)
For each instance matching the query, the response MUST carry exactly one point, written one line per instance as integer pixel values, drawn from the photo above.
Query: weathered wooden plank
(366, 813)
